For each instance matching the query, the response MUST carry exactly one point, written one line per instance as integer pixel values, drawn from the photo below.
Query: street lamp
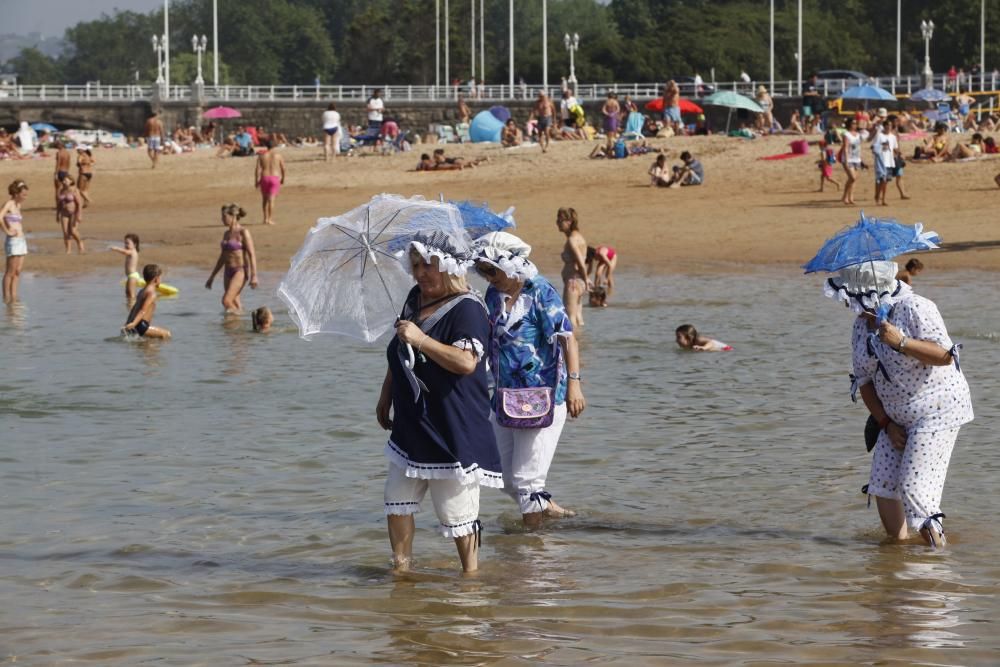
(158, 46)
(927, 30)
(199, 46)
(572, 45)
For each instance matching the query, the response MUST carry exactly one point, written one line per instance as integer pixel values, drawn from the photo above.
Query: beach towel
(782, 156)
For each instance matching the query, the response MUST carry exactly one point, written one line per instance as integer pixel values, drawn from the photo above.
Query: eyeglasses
(486, 270)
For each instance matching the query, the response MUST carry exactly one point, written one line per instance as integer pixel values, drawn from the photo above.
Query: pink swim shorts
(270, 185)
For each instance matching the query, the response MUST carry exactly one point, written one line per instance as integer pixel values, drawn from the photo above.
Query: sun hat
(507, 253)
(865, 286)
(454, 256)
(882, 112)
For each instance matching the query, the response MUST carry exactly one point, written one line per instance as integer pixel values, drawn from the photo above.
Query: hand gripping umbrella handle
(412, 359)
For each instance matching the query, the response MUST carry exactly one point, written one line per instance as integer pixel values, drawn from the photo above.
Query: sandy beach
(748, 212)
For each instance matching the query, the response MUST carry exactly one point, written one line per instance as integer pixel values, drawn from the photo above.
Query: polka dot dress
(930, 402)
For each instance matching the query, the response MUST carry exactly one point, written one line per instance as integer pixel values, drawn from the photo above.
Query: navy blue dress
(441, 427)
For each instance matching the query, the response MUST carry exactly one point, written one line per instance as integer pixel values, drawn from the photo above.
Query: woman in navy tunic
(441, 438)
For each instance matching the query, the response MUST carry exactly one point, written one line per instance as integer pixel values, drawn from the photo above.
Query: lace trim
(461, 529)
(868, 301)
(515, 267)
(475, 345)
(447, 263)
(418, 470)
(402, 509)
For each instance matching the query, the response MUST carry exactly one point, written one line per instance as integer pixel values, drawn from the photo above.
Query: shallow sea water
(216, 499)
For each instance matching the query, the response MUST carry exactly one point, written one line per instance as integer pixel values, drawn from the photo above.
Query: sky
(52, 17)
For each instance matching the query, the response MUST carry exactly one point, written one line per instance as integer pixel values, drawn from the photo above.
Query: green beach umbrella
(732, 100)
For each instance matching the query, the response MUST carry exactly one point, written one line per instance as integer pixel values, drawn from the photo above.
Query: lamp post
(437, 44)
(927, 30)
(771, 89)
(798, 54)
(899, 33)
(572, 45)
(166, 44)
(215, 43)
(199, 46)
(545, 46)
(158, 48)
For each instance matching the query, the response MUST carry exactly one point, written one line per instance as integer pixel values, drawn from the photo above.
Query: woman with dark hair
(237, 256)
(331, 132)
(441, 439)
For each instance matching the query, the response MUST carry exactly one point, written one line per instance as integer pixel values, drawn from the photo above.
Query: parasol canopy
(221, 113)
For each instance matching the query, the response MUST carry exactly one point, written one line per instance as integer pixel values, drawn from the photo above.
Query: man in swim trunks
(153, 132)
(269, 176)
(543, 111)
(141, 316)
(62, 167)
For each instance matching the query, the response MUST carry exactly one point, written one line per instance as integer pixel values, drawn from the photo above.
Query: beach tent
(502, 113)
(27, 137)
(485, 127)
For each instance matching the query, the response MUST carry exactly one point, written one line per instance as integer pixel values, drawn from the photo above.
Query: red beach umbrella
(221, 113)
(687, 106)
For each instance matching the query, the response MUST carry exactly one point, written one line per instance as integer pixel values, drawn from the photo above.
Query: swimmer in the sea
(132, 277)
(688, 338)
(140, 318)
(262, 319)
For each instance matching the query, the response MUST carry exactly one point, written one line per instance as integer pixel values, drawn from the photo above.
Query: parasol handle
(409, 363)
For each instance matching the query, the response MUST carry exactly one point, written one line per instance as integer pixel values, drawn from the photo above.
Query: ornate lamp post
(927, 30)
(159, 44)
(199, 46)
(572, 45)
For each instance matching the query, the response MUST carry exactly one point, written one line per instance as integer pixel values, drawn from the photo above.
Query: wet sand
(748, 212)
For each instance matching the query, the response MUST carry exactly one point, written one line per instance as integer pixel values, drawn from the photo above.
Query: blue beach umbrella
(44, 127)
(479, 219)
(929, 95)
(871, 239)
(868, 93)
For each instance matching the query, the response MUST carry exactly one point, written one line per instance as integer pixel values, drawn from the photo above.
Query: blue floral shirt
(524, 346)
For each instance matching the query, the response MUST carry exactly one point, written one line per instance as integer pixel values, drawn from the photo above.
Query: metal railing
(902, 86)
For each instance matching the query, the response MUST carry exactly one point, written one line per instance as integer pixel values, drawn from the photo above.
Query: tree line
(268, 42)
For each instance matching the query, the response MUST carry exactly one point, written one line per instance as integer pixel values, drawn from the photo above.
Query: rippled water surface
(217, 499)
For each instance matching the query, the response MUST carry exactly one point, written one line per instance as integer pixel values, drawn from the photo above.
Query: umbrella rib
(344, 263)
(378, 234)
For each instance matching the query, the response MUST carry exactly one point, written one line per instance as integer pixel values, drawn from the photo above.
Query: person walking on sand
(672, 104)
(140, 318)
(62, 168)
(269, 176)
(68, 210)
(884, 149)
(84, 172)
(897, 171)
(464, 113)
(375, 109)
(153, 131)
(543, 112)
(239, 258)
(574, 271)
(331, 132)
(850, 157)
(15, 246)
(131, 251)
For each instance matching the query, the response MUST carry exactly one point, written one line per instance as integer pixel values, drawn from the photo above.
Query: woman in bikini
(602, 262)
(574, 271)
(237, 256)
(85, 172)
(15, 246)
(68, 208)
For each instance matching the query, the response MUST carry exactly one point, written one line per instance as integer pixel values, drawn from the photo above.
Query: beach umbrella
(732, 100)
(868, 93)
(501, 113)
(485, 127)
(685, 105)
(221, 113)
(929, 95)
(352, 272)
(44, 127)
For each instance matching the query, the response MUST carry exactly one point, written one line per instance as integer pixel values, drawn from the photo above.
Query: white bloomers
(456, 504)
(525, 457)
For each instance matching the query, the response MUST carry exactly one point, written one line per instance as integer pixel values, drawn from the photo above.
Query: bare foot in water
(554, 511)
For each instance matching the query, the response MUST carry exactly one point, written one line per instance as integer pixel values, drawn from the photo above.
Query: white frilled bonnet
(454, 255)
(864, 286)
(507, 253)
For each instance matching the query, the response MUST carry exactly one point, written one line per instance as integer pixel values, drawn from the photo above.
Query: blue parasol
(872, 239)
(479, 219)
(44, 127)
(929, 95)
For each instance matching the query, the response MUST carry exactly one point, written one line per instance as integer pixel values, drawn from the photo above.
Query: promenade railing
(96, 92)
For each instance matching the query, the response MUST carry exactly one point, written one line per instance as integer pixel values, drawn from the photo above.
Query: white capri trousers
(456, 504)
(914, 474)
(525, 457)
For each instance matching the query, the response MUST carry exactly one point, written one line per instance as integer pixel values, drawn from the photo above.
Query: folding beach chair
(462, 130)
(446, 134)
(370, 137)
(633, 126)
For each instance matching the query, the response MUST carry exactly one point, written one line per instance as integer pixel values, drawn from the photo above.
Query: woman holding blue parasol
(906, 369)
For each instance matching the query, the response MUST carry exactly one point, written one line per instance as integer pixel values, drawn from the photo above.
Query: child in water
(688, 338)
(132, 277)
(141, 316)
(262, 319)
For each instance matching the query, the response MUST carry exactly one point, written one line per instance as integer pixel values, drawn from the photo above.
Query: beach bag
(620, 150)
(531, 407)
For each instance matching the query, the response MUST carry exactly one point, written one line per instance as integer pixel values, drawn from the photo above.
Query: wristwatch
(573, 376)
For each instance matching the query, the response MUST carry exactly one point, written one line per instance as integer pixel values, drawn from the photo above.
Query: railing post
(340, 93)
(409, 93)
(272, 93)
